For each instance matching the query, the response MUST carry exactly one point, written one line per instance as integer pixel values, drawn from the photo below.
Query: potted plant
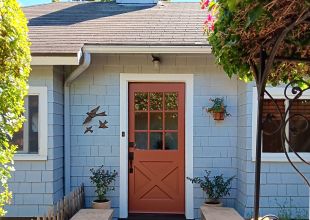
(218, 110)
(215, 188)
(102, 180)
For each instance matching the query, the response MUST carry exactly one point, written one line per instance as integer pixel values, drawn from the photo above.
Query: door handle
(131, 144)
(130, 158)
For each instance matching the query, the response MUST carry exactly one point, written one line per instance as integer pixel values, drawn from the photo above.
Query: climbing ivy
(14, 71)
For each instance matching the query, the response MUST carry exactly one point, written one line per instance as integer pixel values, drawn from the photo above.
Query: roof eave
(163, 49)
(74, 58)
(52, 59)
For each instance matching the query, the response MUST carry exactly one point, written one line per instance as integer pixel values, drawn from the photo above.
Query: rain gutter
(67, 145)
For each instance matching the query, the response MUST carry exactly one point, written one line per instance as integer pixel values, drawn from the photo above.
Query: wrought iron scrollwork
(292, 92)
(270, 217)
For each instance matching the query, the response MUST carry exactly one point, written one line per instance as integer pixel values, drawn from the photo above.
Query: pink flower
(212, 27)
(205, 3)
(209, 18)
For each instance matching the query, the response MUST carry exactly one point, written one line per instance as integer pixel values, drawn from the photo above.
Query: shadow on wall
(81, 12)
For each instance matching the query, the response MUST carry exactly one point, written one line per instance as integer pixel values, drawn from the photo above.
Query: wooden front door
(156, 148)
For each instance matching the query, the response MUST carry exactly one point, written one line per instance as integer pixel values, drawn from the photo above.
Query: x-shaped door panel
(156, 179)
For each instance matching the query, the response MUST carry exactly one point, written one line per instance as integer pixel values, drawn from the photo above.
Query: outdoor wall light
(156, 61)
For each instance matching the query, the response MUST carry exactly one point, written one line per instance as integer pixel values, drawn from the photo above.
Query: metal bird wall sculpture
(90, 115)
(88, 129)
(101, 114)
(103, 124)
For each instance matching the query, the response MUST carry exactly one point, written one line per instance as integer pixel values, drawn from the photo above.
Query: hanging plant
(218, 109)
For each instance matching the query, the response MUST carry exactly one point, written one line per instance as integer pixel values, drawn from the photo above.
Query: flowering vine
(237, 31)
(212, 14)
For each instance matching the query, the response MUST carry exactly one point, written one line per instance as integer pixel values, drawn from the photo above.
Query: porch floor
(155, 217)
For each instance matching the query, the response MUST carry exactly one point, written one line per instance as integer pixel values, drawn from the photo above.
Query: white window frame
(276, 93)
(41, 92)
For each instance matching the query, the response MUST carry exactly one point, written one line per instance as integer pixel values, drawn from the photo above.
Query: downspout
(67, 145)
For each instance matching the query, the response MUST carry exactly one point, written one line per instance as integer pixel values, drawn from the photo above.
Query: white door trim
(189, 94)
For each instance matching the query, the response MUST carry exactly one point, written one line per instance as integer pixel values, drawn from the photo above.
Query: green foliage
(216, 187)
(55, 0)
(14, 72)
(286, 211)
(242, 27)
(102, 180)
(218, 106)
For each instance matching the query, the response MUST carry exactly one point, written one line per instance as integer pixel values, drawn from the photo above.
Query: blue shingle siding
(222, 147)
(96, 149)
(58, 135)
(214, 143)
(244, 137)
(282, 189)
(36, 185)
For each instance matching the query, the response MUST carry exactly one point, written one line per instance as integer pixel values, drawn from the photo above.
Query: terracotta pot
(218, 116)
(97, 204)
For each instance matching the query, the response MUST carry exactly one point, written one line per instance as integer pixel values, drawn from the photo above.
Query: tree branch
(254, 69)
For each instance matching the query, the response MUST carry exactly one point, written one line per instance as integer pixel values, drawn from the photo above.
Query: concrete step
(93, 214)
(219, 213)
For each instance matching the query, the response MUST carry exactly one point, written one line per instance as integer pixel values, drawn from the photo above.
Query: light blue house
(150, 68)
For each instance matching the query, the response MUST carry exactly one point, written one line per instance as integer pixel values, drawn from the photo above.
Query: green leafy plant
(285, 211)
(215, 188)
(237, 30)
(218, 106)
(102, 180)
(14, 72)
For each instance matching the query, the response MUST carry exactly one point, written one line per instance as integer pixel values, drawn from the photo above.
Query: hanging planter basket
(218, 116)
(218, 109)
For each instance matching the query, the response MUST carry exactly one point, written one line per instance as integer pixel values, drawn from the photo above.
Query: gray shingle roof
(65, 27)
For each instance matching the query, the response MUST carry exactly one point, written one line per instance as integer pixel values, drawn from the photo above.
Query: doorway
(156, 154)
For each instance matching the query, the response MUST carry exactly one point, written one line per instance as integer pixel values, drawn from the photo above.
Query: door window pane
(171, 121)
(272, 120)
(141, 121)
(171, 101)
(141, 140)
(156, 141)
(156, 100)
(141, 101)
(156, 122)
(171, 141)
(299, 126)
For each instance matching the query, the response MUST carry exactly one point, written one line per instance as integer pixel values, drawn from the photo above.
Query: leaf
(211, 5)
(232, 4)
(254, 15)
